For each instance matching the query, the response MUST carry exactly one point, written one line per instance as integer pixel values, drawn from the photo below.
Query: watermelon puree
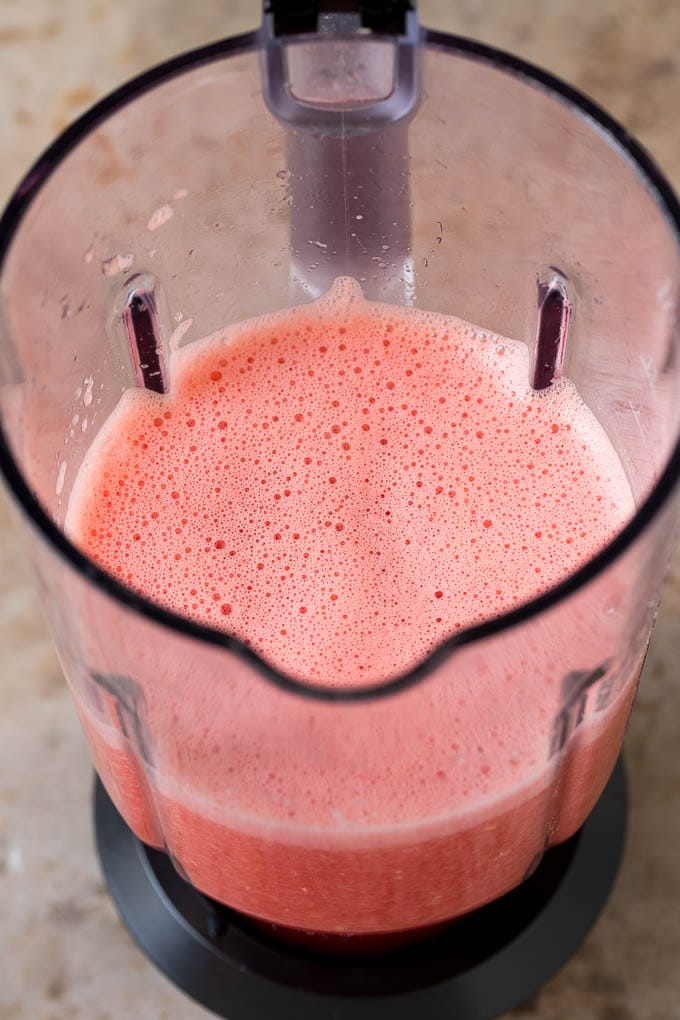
(343, 486)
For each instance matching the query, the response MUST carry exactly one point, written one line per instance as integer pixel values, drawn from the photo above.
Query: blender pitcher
(343, 140)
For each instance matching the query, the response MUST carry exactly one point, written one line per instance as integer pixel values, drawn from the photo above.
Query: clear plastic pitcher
(242, 179)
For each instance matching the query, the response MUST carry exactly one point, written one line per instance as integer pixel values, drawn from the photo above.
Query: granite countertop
(64, 953)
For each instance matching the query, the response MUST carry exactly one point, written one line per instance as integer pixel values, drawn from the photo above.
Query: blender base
(476, 969)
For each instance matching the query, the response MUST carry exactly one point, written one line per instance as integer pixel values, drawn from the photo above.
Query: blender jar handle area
(332, 57)
(386, 17)
(342, 80)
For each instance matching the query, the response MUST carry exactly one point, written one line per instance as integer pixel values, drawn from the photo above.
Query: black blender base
(477, 969)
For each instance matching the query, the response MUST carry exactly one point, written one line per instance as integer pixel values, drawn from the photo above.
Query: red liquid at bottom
(403, 890)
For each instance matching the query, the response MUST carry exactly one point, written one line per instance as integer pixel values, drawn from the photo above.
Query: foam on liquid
(345, 484)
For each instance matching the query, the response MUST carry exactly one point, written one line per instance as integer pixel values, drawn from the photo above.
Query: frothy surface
(345, 484)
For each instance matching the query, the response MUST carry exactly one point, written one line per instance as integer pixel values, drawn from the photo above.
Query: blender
(343, 140)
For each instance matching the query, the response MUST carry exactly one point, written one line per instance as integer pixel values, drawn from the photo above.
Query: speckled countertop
(63, 953)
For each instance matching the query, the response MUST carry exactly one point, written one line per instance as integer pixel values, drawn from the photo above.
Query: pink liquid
(343, 486)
